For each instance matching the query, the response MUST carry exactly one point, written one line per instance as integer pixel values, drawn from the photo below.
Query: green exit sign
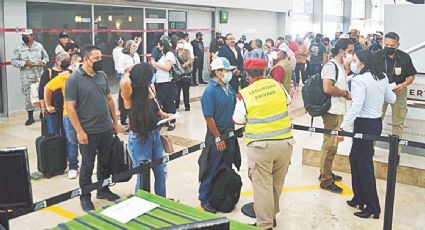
(224, 16)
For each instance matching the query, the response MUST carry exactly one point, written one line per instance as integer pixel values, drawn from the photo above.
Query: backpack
(225, 189)
(316, 101)
(120, 159)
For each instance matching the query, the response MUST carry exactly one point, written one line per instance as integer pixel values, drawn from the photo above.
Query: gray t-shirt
(90, 94)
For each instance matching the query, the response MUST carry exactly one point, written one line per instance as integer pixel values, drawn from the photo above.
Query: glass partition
(117, 22)
(61, 17)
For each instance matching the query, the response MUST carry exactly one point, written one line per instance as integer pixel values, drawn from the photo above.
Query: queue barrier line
(92, 30)
(145, 166)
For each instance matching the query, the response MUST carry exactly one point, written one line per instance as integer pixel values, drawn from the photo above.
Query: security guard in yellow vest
(262, 107)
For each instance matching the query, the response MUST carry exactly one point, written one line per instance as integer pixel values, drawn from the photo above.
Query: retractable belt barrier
(394, 142)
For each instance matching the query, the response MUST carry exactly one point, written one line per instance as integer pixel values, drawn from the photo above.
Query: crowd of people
(251, 83)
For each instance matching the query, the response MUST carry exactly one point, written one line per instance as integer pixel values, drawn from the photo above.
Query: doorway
(156, 29)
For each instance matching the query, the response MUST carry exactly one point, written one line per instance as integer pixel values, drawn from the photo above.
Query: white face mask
(348, 58)
(240, 45)
(180, 45)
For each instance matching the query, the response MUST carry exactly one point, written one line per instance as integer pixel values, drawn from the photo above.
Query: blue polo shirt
(218, 104)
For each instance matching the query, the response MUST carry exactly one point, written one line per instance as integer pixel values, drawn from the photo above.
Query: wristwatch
(217, 139)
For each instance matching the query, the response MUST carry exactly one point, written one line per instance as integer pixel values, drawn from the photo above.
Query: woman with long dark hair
(163, 84)
(144, 142)
(370, 89)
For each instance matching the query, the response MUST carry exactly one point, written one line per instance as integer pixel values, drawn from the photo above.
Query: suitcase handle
(44, 124)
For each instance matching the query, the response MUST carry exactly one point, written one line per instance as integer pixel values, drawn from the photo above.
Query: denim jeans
(118, 76)
(71, 143)
(151, 150)
(52, 123)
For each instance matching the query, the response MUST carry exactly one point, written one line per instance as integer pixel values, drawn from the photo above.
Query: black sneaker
(30, 121)
(106, 194)
(334, 177)
(333, 188)
(187, 109)
(208, 208)
(86, 204)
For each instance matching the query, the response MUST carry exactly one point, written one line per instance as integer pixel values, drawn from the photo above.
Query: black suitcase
(51, 153)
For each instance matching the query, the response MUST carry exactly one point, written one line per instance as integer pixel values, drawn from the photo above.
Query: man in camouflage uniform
(30, 57)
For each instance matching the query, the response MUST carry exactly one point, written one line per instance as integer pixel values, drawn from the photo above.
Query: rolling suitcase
(51, 152)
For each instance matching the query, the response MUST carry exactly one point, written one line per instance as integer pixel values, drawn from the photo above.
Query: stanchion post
(391, 181)
(145, 177)
(4, 220)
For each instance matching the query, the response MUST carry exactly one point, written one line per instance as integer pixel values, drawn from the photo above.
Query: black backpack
(120, 159)
(316, 101)
(225, 189)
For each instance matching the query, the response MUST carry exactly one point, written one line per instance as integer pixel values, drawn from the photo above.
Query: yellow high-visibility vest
(267, 113)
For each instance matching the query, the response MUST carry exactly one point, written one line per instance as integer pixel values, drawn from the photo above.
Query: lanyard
(386, 67)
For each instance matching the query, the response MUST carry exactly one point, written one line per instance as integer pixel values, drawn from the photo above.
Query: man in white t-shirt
(188, 46)
(336, 86)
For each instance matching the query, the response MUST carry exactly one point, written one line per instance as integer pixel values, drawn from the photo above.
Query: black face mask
(389, 51)
(65, 64)
(26, 40)
(97, 66)
(220, 43)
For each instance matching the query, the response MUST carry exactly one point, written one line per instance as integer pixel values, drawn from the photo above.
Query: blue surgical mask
(227, 77)
(354, 68)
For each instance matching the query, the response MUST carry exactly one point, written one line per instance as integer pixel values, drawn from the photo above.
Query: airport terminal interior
(197, 65)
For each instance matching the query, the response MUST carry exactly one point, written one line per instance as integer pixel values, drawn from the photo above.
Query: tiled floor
(303, 204)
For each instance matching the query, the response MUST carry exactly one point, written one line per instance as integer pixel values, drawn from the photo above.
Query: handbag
(167, 142)
(34, 93)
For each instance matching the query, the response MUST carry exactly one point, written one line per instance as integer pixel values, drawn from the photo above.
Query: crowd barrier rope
(145, 166)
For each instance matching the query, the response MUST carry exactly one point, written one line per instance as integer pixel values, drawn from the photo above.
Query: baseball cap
(63, 34)
(288, 37)
(243, 38)
(26, 32)
(254, 63)
(221, 63)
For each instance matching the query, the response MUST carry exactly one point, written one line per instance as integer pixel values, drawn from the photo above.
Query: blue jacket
(226, 52)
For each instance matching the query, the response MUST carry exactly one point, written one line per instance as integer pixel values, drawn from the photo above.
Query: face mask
(26, 40)
(354, 68)
(240, 45)
(180, 45)
(389, 51)
(97, 66)
(273, 55)
(65, 64)
(348, 58)
(200, 39)
(220, 43)
(227, 77)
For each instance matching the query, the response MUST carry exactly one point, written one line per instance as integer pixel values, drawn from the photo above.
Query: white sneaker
(72, 174)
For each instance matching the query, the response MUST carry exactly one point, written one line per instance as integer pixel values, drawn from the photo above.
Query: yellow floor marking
(38, 181)
(61, 212)
(346, 190)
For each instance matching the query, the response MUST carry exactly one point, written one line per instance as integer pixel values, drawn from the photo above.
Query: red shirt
(293, 46)
(278, 74)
